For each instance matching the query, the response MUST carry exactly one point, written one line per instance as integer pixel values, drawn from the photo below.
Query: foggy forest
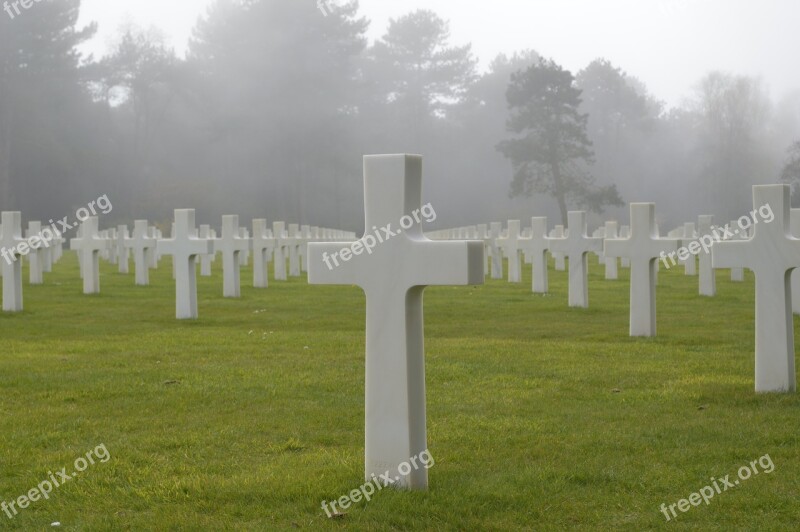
(273, 106)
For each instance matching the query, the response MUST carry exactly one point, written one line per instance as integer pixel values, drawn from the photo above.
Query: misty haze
(218, 219)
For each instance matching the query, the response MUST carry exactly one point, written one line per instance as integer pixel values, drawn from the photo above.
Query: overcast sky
(668, 44)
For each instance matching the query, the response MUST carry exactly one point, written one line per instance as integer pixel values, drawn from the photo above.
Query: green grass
(539, 416)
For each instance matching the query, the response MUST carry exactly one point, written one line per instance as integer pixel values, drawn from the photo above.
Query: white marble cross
(263, 244)
(708, 278)
(535, 250)
(611, 232)
(185, 247)
(576, 246)
(123, 251)
(89, 245)
(393, 276)
(771, 254)
(36, 255)
(143, 247)
(230, 245)
(511, 249)
(643, 247)
(10, 240)
(279, 261)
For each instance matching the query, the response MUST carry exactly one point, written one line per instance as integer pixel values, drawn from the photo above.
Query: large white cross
(10, 239)
(185, 247)
(89, 245)
(771, 254)
(576, 246)
(143, 248)
(230, 245)
(393, 277)
(535, 250)
(263, 244)
(511, 249)
(643, 247)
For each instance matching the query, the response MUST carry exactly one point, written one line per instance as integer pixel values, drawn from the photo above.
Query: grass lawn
(539, 416)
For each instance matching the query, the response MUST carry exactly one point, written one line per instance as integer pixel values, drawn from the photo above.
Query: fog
(265, 108)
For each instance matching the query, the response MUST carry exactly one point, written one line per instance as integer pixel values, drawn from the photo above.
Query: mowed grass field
(540, 417)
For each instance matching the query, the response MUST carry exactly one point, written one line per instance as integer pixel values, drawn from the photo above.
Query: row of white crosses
(531, 241)
(395, 276)
(42, 252)
(147, 244)
(770, 252)
(187, 245)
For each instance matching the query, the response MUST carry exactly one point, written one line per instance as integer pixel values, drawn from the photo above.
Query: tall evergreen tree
(550, 152)
(41, 91)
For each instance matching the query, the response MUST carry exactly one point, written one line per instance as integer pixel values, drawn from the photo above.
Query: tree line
(273, 105)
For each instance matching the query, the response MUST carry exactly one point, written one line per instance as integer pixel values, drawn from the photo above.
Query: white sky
(668, 44)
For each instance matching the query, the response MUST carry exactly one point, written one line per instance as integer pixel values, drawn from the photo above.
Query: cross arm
(327, 266)
(454, 263)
